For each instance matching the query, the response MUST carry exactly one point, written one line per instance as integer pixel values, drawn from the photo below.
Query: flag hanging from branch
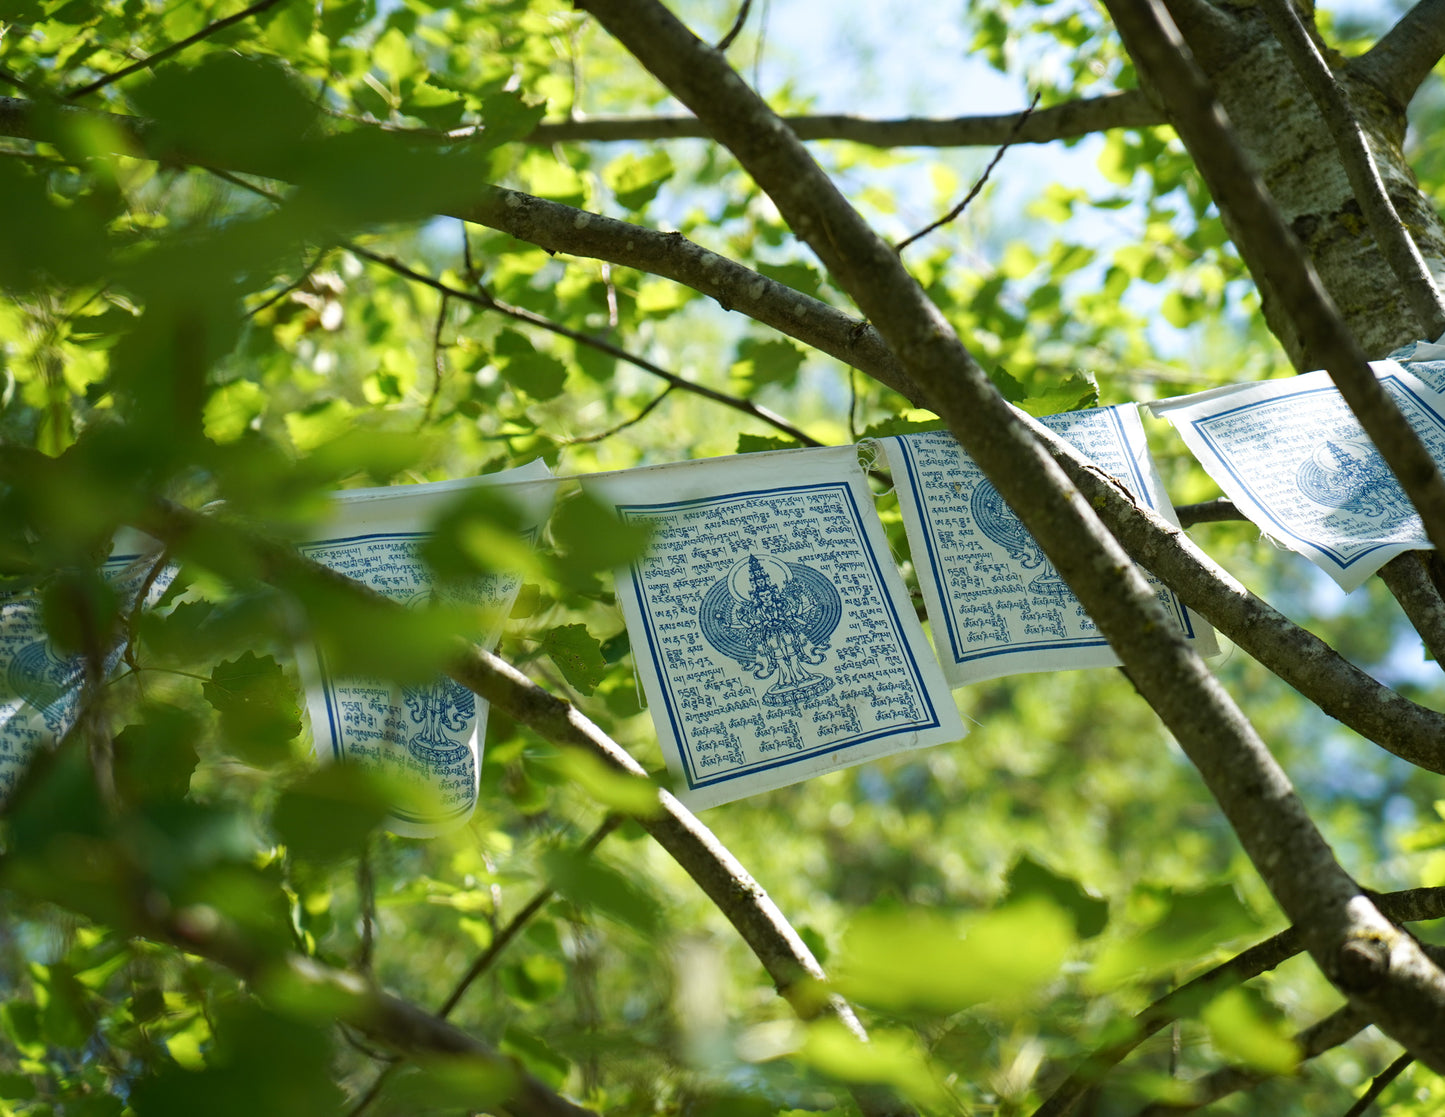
(424, 739)
(773, 635)
(996, 603)
(1295, 460)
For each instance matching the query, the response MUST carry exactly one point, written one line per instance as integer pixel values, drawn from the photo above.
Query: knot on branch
(1362, 962)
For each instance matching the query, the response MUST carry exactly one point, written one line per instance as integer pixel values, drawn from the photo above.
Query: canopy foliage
(254, 254)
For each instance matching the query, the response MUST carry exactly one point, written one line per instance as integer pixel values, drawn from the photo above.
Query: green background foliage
(256, 332)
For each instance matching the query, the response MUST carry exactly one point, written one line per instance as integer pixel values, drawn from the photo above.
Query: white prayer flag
(774, 638)
(1295, 461)
(996, 604)
(426, 739)
(39, 687)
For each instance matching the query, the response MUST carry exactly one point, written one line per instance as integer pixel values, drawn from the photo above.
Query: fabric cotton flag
(426, 740)
(996, 604)
(40, 687)
(1295, 460)
(773, 635)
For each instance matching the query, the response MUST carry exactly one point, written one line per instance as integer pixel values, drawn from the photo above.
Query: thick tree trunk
(1284, 133)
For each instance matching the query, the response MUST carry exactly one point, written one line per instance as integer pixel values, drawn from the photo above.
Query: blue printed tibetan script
(1304, 461)
(771, 634)
(421, 737)
(40, 689)
(997, 604)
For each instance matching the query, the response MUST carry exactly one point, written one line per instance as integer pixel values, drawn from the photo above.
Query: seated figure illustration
(774, 618)
(1351, 475)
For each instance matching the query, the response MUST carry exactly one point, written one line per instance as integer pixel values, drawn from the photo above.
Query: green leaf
(761, 443)
(326, 814)
(1190, 926)
(577, 655)
(154, 758)
(1245, 1027)
(918, 959)
(1028, 878)
(590, 884)
(258, 707)
(635, 180)
(1072, 392)
(540, 375)
(774, 361)
(590, 537)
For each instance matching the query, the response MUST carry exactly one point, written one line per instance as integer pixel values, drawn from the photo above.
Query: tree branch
(1273, 254)
(1400, 61)
(1384, 969)
(1407, 577)
(1377, 1087)
(555, 227)
(1409, 906)
(1339, 1026)
(1129, 109)
(1391, 236)
(401, 1025)
(175, 48)
(741, 899)
(1303, 660)
(481, 298)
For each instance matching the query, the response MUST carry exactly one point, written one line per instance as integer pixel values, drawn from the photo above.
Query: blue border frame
(630, 511)
(1139, 488)
(1200, 428)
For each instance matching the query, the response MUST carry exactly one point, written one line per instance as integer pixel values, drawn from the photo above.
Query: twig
(600, 436)
(1391, 236)
(482, 299)
(1207, 512)
(299, 281)
(483, 962)
(366, 905)
(438, 359)
(175, 48)
(1377, 1087)
(736, 29)
(1338, 1027)
(1129, 109)
(978, 185)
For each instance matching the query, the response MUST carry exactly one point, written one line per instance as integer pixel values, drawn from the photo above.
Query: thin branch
(602, 436)
(736, 29)
(175, 48)
(1340, 1026)
(438, 358)
(1391, 236)
(482, 299)
(1377, 1087)
(1409, 906)
(1403, 59)
(978, 186)
(1383, 969)
(500, 941)
(1207, 512)
(1129, 109)
(1272, 253)
(1408, 578)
